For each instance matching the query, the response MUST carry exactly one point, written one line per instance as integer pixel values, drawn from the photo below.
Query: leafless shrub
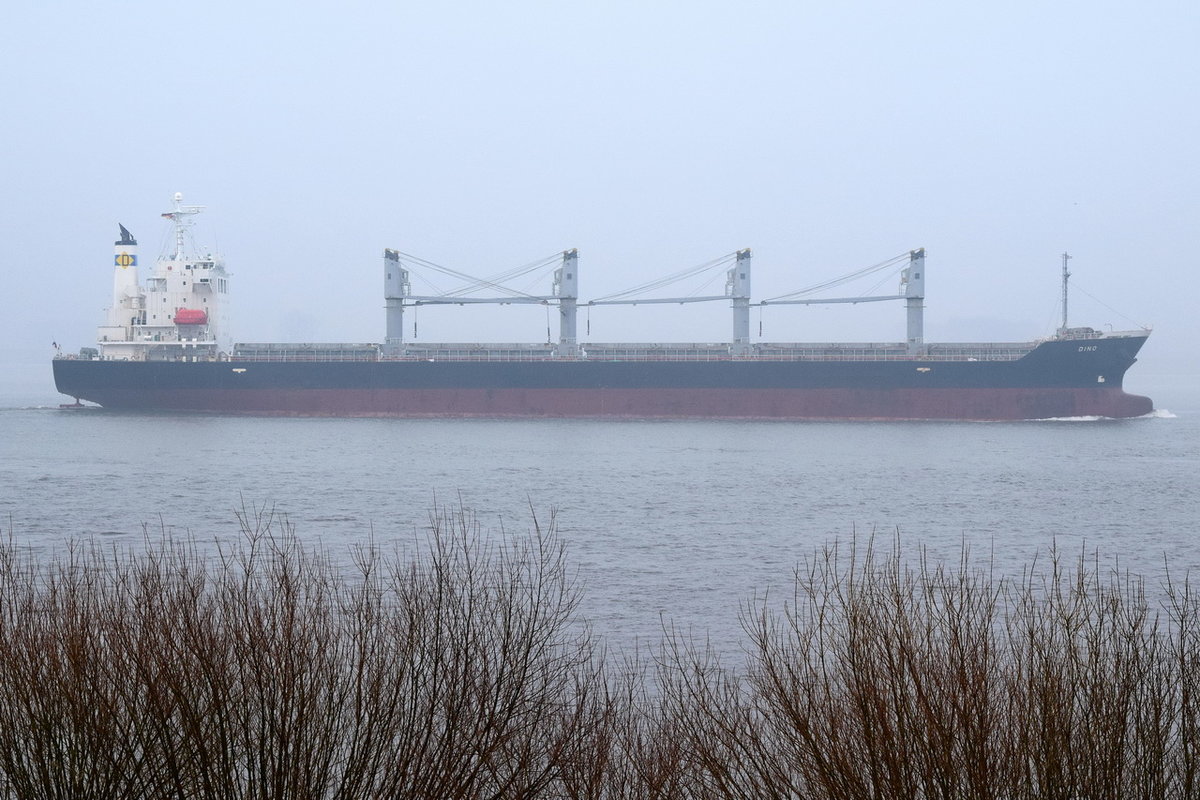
(883, 680)
(724, 742)
(460, 668)
(270, 671)
(1096, 683)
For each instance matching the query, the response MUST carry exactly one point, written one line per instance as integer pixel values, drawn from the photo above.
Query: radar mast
(181, 218)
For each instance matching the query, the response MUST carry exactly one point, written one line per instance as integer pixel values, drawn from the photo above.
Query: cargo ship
(165, 346)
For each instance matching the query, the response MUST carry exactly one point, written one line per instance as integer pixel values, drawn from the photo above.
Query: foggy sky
(651, 136)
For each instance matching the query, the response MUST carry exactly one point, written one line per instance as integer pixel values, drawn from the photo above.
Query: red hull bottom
(832, 404)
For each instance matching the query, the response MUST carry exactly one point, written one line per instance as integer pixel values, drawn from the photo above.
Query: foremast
(1066, 277)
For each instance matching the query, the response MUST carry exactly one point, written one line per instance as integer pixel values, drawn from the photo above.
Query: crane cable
(475, 283)
(672, 278)
(882, 265)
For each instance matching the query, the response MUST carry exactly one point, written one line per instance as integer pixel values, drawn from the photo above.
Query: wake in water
(1158, 413)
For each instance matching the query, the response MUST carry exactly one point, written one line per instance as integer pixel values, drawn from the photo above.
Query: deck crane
(737, 290)
(912, 290)
(398, 294)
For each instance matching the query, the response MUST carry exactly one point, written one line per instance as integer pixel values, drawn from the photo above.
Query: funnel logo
(124, 260)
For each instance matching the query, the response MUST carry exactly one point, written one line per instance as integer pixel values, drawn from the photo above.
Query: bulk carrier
(166, 345)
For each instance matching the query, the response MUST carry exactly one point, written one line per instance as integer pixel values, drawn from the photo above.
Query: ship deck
(491, 352)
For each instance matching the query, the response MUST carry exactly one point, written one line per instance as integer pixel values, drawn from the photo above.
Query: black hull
(1056, 379)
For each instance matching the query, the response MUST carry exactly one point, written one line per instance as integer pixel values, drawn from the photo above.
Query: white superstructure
(180, 313)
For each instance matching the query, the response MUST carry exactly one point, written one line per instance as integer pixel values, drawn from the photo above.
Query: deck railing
(783, 353)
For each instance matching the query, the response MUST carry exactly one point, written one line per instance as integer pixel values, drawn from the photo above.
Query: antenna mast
(1065, 276)
(179, 216)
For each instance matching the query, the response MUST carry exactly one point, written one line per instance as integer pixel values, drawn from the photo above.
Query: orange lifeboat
(191, 316)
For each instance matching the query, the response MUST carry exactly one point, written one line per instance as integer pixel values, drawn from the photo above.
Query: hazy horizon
(652, 137)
